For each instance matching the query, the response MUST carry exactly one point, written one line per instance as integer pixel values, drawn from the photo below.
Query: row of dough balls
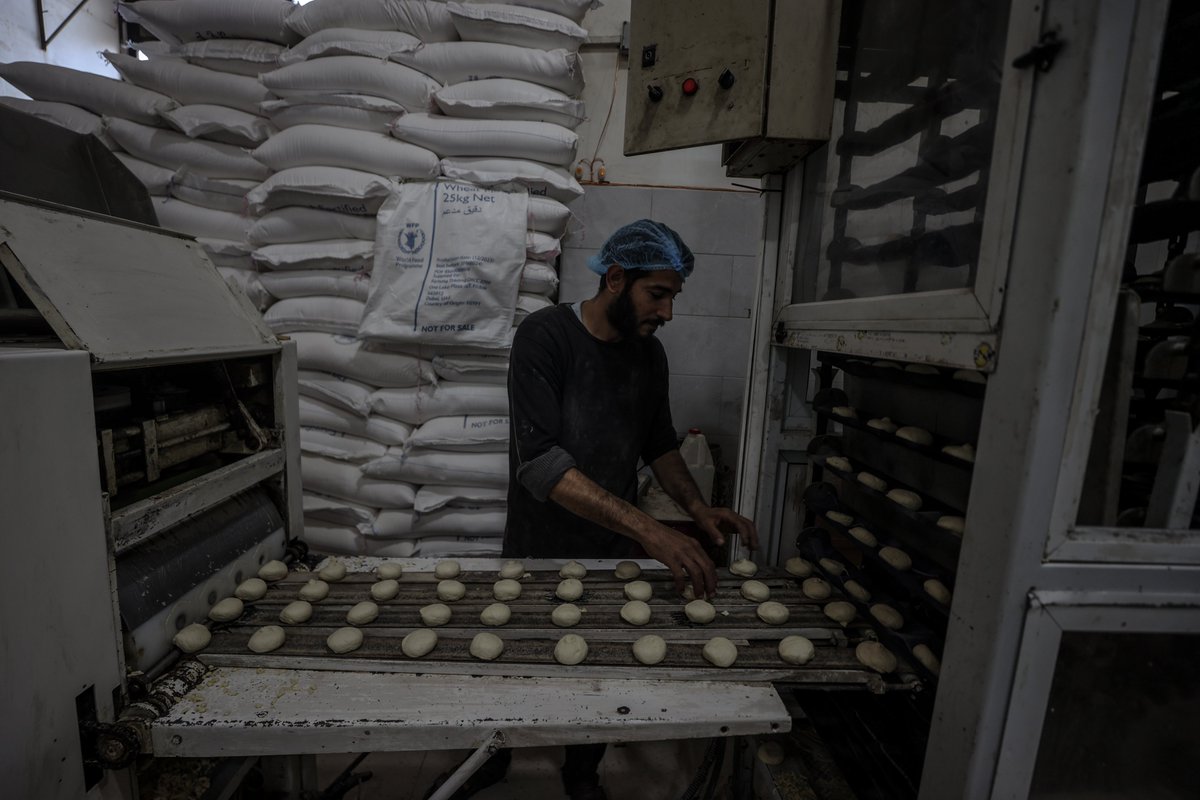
(909, 433)
(897, 558)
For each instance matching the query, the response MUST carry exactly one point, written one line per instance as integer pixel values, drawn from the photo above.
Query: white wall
(93, 29)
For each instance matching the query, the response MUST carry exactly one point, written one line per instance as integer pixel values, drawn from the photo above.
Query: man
(588, 397)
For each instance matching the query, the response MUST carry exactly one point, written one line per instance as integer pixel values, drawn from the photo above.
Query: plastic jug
(699, 461)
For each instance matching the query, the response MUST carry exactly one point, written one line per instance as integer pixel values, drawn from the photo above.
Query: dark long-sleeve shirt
(576, 401)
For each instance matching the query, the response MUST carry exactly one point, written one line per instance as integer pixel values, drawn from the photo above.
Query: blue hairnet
(644, 244)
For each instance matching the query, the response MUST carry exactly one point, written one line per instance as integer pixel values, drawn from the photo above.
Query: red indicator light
(690, 87)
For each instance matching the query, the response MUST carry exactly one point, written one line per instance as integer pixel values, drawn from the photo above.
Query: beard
(622, 316)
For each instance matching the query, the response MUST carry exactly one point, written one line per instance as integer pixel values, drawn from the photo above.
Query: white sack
(307, 113)
(338, 511)
(548, 216)
(538, 278)
(189, 84)
(529, 303)
(467, 433)
(354, 75)
(417, 405)
(224, 194)
(316, 414)
(96, 93)
(232, 253)
(299, 224)
(524, 27)
(433, 466)
(461, 522)
(376, 547)
(178, 21)
(539, 179)
(239, 56)
(571, 9)
(246, 281)
(220, 124)
(336, 390)
(350, 42)
(347, 255)
(339, 446)
(448, 262)
(199, 221)
(174, 150)
(344, 480)
(448, 136)
(506, 98)
(329, 146)
(441, 546)
(432, 497)
(428, 21)
(337, 315)
(345, 355)
(156, 179)
(471, 368)
(346, 191)
(65, 115)
(458, 62)
(541, 246)
(329, 537)
(316, 282)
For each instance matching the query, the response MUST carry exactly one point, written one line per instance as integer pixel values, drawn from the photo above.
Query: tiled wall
(708, 341)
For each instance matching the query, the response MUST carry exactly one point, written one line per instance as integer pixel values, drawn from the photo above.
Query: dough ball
(627, 571)
(839, 517)
(700, 611)
(573, 570)
(875, 656)
(887, 616)
(638, 590)
(635, 612)
(266, 639)
(570, 650)
(798, 566)
(332, 572)
(689, 592)
(756, 591)
(389, 571)
(296, 612)
(770, 753)
(450, 591)
(345, 640)
(832, 566)
(840, 463)
(840, 611)
(952, 524)
(857, 591)
(872, 481)
(772, 613)
(445, 570)
(227, 610)
(928, 660)
(565, 616)
(816, 589)
(744, 568)
(435, 614)
(921, 369)
(193, 638)
(845, 411)
(251, 589)
(902, 497)
(938, 591)
(884, 424)
(363, 613)
(487, 646)
(720, 652)
(512, 570)
(495, 614)
(864, 536)
(650, 650)
(896, 557)
(796, 650)
(963, 452)
(385, 590)
(419, 643)
(969, 376)
(570, 590)
(314, 590)
(915, 435)
(506, 589)
(273, 571)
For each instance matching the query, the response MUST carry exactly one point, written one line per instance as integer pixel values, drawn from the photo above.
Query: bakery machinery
(974, 396)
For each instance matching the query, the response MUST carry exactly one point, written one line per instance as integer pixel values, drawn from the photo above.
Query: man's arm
(677, 481)
(682, 554)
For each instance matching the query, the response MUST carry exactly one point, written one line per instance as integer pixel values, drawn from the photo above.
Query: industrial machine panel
(697, 73)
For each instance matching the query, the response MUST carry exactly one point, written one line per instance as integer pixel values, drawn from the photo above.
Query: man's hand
(684, 556)
(716, 522)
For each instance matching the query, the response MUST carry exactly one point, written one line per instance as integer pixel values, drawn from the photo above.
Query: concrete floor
(645, 770)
